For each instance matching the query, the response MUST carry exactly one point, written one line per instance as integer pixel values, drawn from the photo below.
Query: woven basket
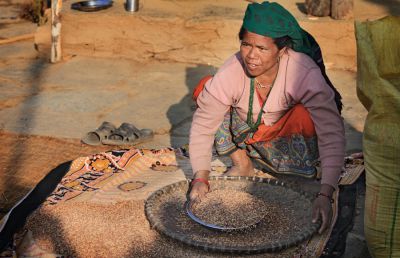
(165, 210)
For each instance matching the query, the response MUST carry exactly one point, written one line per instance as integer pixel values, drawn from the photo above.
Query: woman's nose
(252, 53)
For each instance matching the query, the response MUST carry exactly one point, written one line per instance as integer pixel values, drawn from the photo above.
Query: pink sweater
(299, 80)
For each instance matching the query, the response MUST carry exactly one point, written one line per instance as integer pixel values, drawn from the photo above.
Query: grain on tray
(230, 209)
(280, 223)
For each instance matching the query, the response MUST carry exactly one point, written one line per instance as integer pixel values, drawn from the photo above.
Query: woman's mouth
(251, 66)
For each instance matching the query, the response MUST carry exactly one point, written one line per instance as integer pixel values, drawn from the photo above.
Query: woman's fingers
(315, 214)
(198, 191)
(325, 221)
(322, 209)
(193, 196)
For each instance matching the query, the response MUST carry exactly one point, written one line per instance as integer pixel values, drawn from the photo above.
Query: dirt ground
(27, 154)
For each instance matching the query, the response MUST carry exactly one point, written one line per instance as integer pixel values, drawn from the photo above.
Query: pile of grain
(86, 229)
(92, 230)
(230, 209)
(116, 230)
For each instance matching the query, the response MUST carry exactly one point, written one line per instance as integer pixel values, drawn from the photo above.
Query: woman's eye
(245, 44)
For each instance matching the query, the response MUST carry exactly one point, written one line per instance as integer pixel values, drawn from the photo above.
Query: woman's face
(259, 53)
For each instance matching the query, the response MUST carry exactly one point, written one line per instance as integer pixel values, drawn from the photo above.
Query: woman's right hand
(199, 189)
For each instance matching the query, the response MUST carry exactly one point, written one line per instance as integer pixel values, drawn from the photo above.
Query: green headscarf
(274, 21)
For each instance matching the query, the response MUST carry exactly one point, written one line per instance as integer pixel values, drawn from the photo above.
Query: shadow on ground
(302, 7)
(392, 6)
(16, 190)
(193, 76)
(181, 125)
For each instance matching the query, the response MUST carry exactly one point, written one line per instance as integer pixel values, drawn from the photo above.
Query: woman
(271, 102)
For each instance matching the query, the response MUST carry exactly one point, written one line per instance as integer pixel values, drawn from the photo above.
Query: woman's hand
(322, 207)
(199, 189)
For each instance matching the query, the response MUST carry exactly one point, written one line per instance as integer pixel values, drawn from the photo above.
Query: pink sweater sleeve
(318, 98)
(206, 121)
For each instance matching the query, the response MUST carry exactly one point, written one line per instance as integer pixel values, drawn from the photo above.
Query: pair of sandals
(109, 134)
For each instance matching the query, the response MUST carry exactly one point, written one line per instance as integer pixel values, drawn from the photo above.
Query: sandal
(128, 134)
(96, 137)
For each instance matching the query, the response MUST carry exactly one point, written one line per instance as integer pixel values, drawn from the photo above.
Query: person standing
(378, 88)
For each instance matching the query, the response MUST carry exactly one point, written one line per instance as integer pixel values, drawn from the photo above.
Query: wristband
(325, 195)
(205, 181)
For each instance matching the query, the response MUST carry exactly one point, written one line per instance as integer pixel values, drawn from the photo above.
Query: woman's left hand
(322, 208)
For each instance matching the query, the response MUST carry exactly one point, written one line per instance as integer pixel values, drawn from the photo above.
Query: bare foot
(240, 171)
(242, 165)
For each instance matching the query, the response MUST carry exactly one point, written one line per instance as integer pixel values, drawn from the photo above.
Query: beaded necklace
(260, 86)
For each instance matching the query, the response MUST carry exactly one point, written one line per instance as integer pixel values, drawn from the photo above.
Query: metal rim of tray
(91, 5)
(157, 224)
(192, 215)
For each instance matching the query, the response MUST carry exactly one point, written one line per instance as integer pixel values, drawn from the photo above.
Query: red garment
(296, 120)
(200, 86)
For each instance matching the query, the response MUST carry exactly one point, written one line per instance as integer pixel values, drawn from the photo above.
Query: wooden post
(56, 6)
(318, 7)
(342, 9)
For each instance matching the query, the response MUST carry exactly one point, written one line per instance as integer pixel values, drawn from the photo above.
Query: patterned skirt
(288, 147)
